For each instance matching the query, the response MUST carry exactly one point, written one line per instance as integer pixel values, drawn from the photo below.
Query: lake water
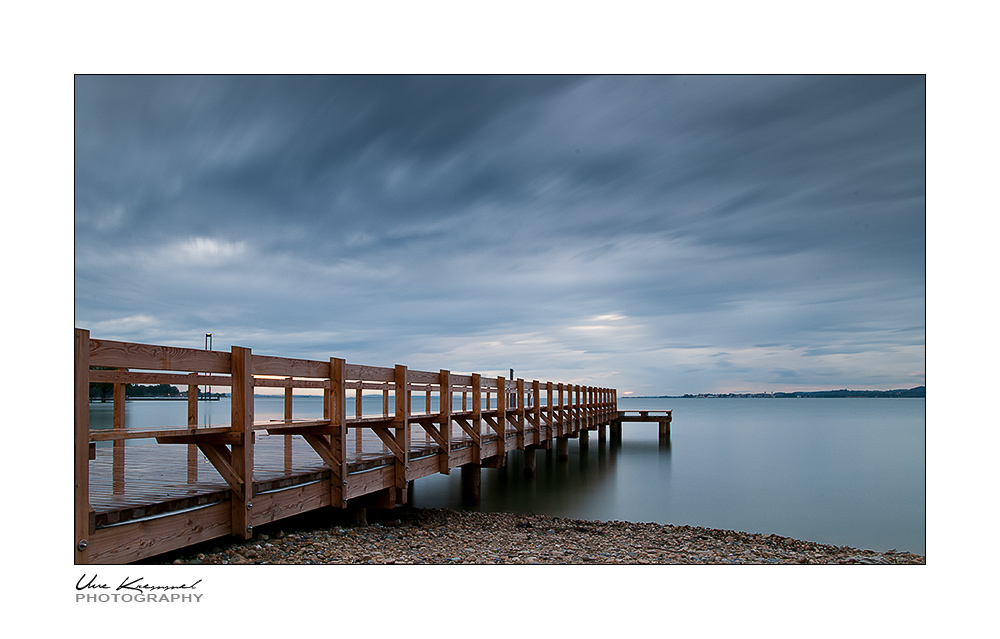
(838, 471)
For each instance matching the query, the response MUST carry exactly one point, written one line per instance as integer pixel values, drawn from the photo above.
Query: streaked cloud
(628, 229)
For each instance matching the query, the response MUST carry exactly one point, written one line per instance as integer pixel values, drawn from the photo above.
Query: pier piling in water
(471, 484)
(562, 449)
(529, 462)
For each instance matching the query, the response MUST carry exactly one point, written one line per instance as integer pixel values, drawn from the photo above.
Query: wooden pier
(178, 485)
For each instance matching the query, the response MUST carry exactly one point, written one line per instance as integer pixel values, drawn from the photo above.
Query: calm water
(838, 471)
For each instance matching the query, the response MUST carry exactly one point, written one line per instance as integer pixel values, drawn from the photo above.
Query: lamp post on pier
(208, 347)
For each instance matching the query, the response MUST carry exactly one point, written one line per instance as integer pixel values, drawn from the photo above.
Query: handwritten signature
(136, 585)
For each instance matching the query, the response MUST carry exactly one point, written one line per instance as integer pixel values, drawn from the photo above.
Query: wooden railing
(477, 420)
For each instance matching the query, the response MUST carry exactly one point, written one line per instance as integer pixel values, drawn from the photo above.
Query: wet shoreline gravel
(448, 537)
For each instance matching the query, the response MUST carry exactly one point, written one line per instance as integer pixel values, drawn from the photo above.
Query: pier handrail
(497, 414)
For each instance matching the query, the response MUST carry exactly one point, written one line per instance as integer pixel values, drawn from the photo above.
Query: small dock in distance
(661, 417)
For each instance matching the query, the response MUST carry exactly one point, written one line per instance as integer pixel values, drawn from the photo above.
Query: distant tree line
(106, 391)
(919, 391)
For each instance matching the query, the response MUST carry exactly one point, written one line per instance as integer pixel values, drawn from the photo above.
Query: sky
(659, 235)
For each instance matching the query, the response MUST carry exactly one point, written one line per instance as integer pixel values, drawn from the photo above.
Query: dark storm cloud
(626, 227)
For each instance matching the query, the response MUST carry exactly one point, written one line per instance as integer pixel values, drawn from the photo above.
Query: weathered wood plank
(273, 382)
(287, 366)
(146, 377)
(133, 541)
(277, 504)
(152, 357)
(422, 377)
(142, 433)
(370, 373)
(370, 481)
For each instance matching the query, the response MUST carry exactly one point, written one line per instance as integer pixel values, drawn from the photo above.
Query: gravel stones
(434, 536)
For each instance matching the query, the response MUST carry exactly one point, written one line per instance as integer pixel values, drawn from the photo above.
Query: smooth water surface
(840, 471)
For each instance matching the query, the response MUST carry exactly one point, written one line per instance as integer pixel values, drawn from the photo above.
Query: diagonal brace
(222, 459)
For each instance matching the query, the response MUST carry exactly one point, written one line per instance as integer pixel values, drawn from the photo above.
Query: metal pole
(208, 347)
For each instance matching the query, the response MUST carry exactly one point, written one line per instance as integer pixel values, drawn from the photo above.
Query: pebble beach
(449, 537)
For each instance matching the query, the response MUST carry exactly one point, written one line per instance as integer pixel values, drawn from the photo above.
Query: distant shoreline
(917, 392)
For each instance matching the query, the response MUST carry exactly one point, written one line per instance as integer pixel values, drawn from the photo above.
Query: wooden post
(562, 448)
(477, 416)
(591, 408)
(519, 415)
(584, 439)
(357, 513)
(82, 513)
(471, 484)
(118, 446)
(579, 408)
(402, 426)
(560, 416)
(536, 409)
(359, 411)
(192, 452)
(241, 398)
(502, 419)
(444, 410)
(338, 432)
(549, 411)
(288, 438)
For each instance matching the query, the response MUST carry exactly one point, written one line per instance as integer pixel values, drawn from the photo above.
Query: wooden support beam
(82, 513)
(550, 417)
(118, 446)
(338, 432)
(192, 406)
(501, 423)
(401, 424)
(222, 458)
(519, 414)
(476, 419)
(560, 413)
(241, 423)
(434, 433)
(535, 416)
(321, 444)
(388, 437)
(466, 425)
(288, 445)
(444, 410)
